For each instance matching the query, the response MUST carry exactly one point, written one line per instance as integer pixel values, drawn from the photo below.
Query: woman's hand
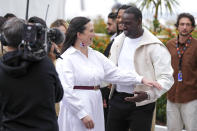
(88, 122)
(151, 83)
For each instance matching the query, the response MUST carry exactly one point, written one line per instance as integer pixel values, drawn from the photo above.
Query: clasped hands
(142, 95)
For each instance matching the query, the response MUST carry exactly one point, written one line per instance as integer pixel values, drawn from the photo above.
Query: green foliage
(161, 110)
(194, 34)
(100, 25)
(167, 34)
(156, 25)
(157, 7)
(101, 40)
(100, 43)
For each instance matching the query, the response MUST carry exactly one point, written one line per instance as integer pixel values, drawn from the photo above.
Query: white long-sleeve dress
(78, 70)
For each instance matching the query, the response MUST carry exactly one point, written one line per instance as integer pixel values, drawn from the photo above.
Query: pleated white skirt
(93, 105)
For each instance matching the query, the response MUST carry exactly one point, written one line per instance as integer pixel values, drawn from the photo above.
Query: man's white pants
(182, 114)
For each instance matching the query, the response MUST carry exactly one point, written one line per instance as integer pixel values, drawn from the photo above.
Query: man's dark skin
(133, 29)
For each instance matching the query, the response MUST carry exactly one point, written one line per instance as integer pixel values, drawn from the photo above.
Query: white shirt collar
(72, 50)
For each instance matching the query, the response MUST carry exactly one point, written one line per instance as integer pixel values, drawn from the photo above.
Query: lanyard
(181, 52)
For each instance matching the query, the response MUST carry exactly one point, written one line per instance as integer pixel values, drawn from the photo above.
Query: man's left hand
(141, 96)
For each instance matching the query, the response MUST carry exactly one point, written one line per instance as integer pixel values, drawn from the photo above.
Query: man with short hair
(137, 49)
(111, 29)
(182, 97)
(8, 16)
(111, 24)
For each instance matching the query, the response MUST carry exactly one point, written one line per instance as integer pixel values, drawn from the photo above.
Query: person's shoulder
(94, 51)
(119, 37)
(44, 65)
(194, 39)
(67, 57)
(171, 42)
(118, 41)
(97, 54)
(71, 50)
(46, 62)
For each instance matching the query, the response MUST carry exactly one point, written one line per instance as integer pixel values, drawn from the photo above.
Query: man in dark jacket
(29, 87)
(111, 29)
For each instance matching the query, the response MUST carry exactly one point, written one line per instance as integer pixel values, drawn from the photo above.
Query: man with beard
(111, 30)
(111, 25)
(182, 98)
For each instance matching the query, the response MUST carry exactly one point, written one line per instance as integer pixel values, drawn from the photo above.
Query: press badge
(180, 76)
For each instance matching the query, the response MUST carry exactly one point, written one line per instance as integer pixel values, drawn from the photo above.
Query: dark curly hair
(185, 15)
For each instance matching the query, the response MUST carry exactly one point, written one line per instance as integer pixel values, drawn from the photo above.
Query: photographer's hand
(51, 54)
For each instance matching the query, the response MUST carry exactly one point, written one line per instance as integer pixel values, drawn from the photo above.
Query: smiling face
(119, 19)
(88, 34)
(131, 25)
(185, 26)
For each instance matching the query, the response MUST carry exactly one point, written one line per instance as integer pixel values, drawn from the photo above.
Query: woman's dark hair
(76, 25)
(185, 15)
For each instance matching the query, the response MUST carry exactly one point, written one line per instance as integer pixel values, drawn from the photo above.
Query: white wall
(36, 8)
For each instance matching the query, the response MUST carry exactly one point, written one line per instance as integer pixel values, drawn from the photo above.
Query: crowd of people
(114, 91)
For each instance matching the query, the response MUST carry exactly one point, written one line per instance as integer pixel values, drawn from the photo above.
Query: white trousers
(179, 115)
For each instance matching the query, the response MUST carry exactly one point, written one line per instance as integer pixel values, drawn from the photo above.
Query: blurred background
(67, 9)
(159, 16)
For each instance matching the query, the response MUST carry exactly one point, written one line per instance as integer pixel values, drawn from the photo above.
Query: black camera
(38, 39)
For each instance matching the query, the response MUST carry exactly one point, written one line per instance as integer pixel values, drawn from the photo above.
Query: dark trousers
(105, 94)
(125, 115)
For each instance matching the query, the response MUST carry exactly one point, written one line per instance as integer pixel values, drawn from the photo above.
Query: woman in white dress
(81, 71)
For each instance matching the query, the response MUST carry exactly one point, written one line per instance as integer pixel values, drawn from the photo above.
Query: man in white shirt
(137, 49)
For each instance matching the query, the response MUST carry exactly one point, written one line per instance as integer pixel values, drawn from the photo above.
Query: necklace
(180, 54)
